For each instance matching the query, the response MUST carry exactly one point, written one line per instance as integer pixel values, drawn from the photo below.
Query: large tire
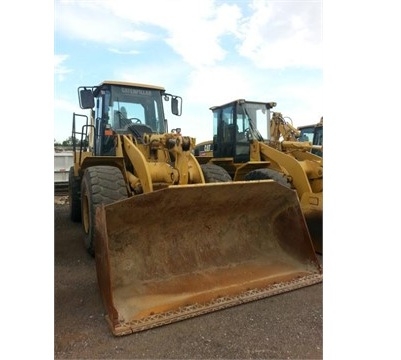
(263, 174)
(74, 196)
(100, 185)
(214, 173)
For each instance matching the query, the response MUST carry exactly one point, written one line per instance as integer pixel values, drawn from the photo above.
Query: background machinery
(239, 149)
(168, 244)
(314, 134)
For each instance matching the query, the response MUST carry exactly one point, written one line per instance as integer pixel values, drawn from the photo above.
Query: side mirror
(176, 105)
(86, 98)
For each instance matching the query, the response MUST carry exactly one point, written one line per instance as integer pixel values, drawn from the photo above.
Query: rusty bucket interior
(188, 250)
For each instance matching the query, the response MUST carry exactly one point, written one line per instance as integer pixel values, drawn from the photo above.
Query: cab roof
(241, 101)
(131, 84)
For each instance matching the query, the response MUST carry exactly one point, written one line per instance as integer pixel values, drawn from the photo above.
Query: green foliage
(70, 142)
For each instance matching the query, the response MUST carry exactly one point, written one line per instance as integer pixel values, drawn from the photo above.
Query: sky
(209, 52)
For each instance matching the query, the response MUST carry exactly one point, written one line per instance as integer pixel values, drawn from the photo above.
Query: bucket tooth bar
(190, 311)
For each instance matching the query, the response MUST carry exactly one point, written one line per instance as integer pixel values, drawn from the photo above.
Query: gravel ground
(286, 326)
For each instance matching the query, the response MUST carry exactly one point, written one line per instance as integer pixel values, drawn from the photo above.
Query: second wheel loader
(168, 244)
(314, 134)
(239, 148)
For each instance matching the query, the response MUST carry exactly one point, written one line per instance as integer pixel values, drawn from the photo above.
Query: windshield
(307, 134)
(129, 105)
(314, 134)
(255, 116)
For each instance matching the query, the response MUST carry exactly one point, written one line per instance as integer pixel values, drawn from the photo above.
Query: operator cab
(235, 126)
(126, 108)
(314, 134)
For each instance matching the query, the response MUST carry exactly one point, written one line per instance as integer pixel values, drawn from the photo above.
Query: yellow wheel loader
(240, 149)
(169, 244)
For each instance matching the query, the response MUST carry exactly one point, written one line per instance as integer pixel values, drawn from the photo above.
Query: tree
(70, 141)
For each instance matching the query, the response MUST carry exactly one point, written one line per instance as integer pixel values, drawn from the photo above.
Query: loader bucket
(184, 251)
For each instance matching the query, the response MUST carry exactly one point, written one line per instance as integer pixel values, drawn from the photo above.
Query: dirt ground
(286, 326)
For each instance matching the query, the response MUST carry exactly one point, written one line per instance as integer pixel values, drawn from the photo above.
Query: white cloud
(129, 52)
(217, 85)
(136, 35)
(59, 69)
(275, 35)
(283, 34)
(191, 29)
(198, 38)
(93, 21)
